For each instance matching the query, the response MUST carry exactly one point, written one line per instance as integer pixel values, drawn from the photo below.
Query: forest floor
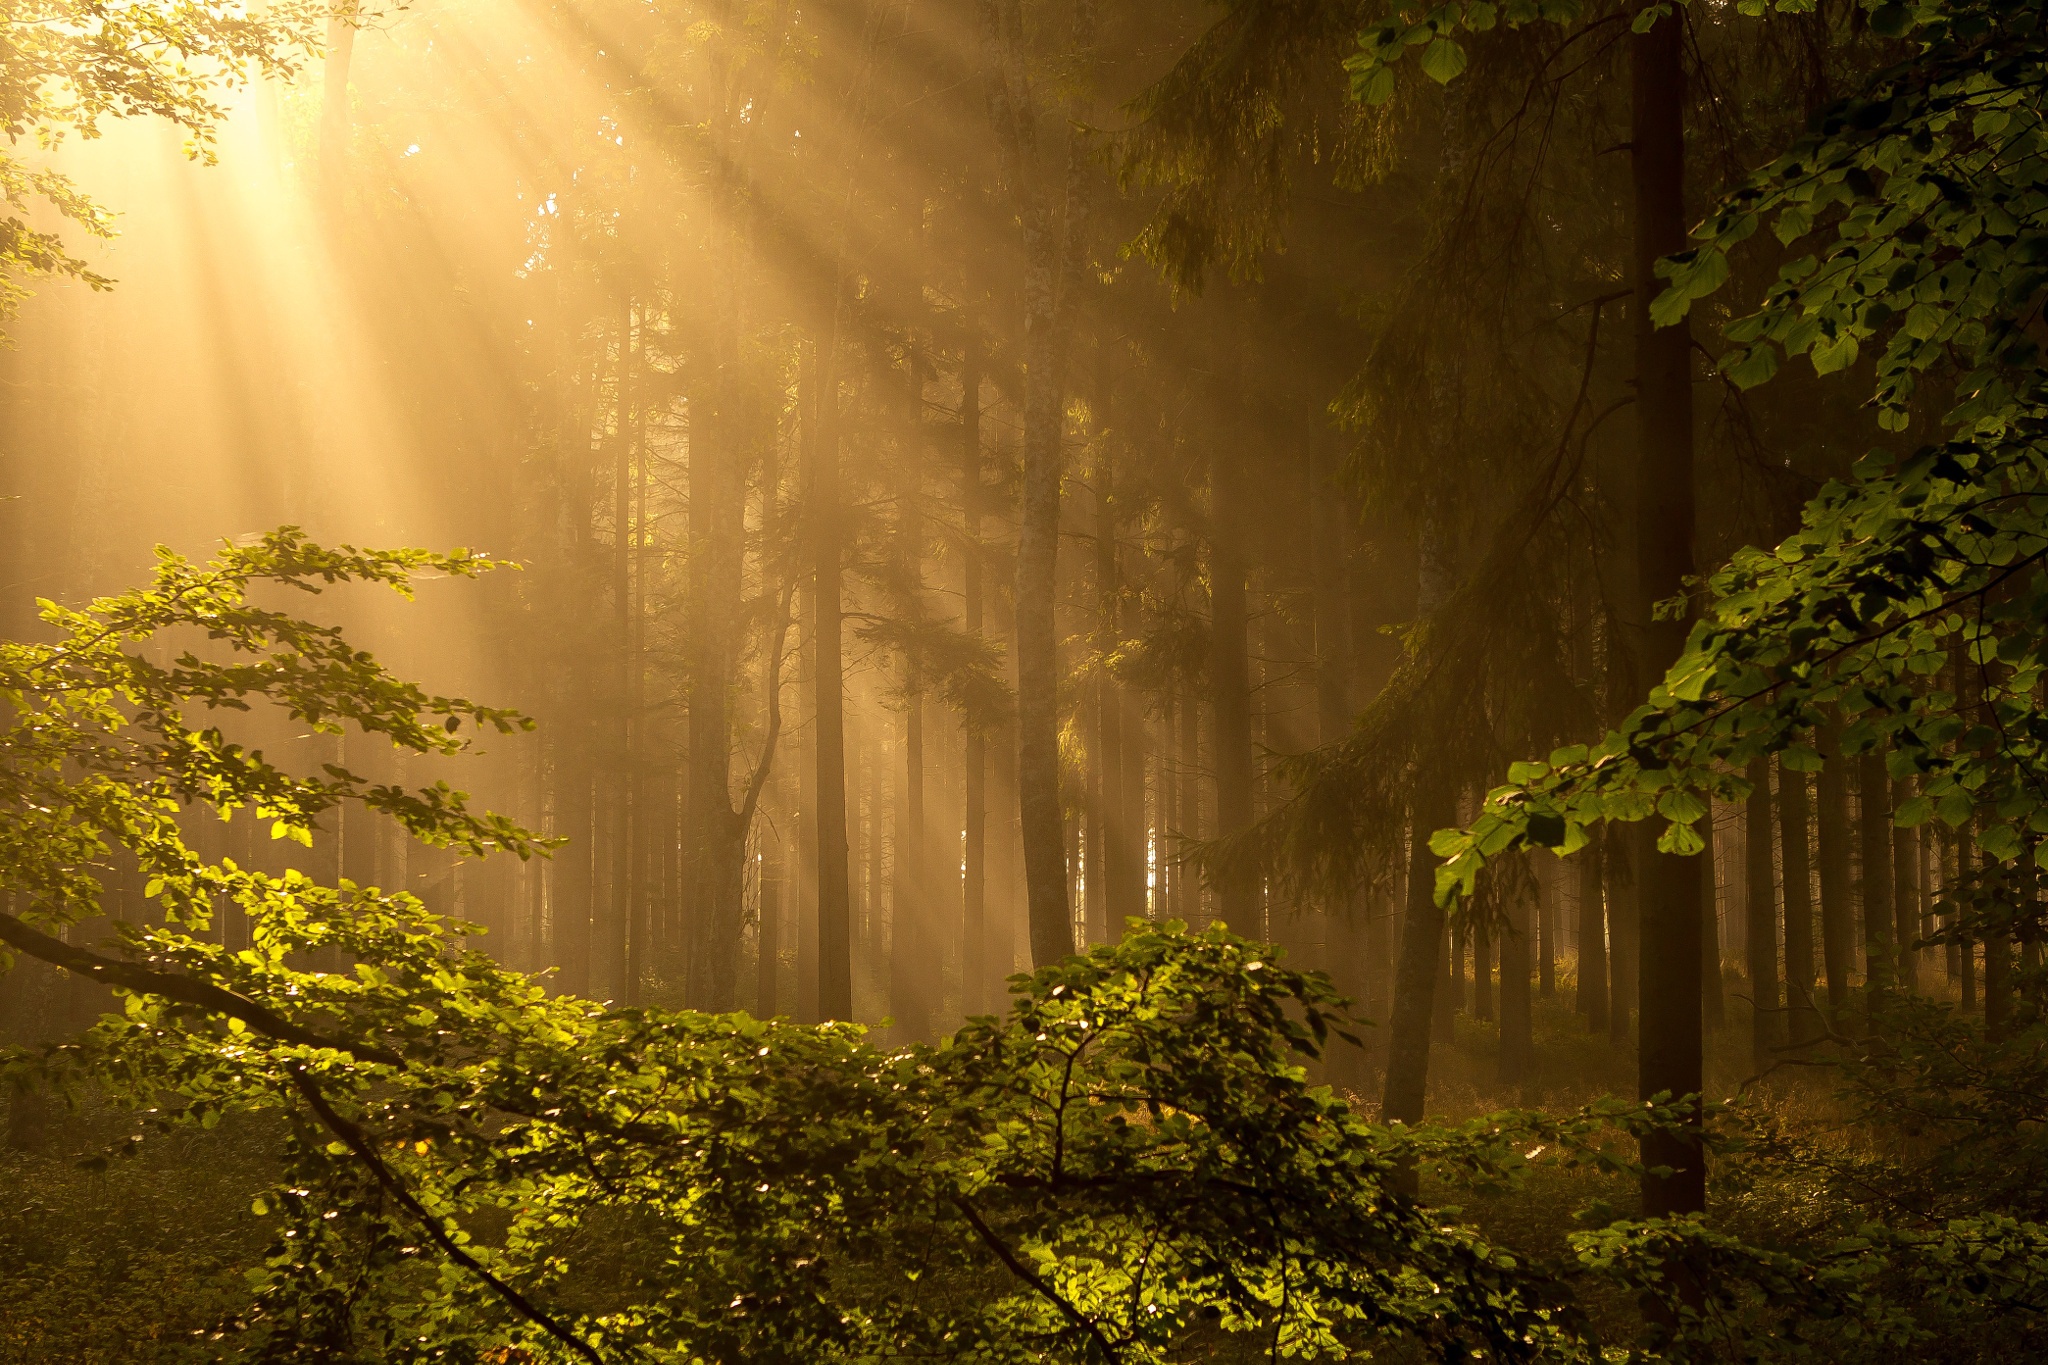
(120, 1253)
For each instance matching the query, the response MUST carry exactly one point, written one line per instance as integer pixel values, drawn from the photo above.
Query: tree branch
(1035, 1280)
(133, 976)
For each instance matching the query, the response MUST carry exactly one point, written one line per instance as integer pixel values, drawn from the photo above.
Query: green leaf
(1751, 366)
(1836, 353)
(1377, 86)
(1681, 806)
(1999, 842)
(1443, 61)
(1683, 840)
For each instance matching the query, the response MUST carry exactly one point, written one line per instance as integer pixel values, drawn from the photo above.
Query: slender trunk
(768, 959)
(1669, 1059)
(1760, 929)
(613, 918)
(1592, 1001)
(571, 870)
(1105, 834)
(1905, 893)
(1230, 682)
(1047, 252)
(1874, 824)
(1482, 973)
(718, 835)
(1190, 822)
(1624, 908)
(806, 833)
(1330, 545)
(1517, 1024)
(974, 967)
(1452, 1000)
(1946, 847)
(1713, 994)
(1997, 985)
(1432, 805)
(1799, 974)
(1128, 894)
(835, 936)
(1415, 980)
(1832, 839)
(1964, 855)
(1546, 932)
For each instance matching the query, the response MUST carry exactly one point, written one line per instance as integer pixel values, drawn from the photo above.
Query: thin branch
(1035, 1280)
(132, 976)
(359, 1143)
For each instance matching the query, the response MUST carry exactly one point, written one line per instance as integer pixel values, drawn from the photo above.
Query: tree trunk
(1415, 980)
(976, 986)
(1624, 857)
(1230, 681)
(1482, 973)
(718, 836)
(1760, 931)
(1874, 823)
(835, 926)
(1669, 1058)
(1905, 894)
(768, 958)
(1329, 551)
(1045, 254)
(1592, 1000)
(1832, 839)
(1799, 974)
(1517, 1024)
(1713, 994)
(1110, 855)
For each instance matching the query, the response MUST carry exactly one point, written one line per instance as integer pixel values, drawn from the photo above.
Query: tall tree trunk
(1517, 1023)
(1761, 926)
(1107, 770)
(1905, 893)
(976, 986)
(1432, 806)
(612, 919)
(835, 924)
(1874, 823)
(1230, 682)
(806, 832)
(1592, 1000)
(1045, 253)
(717, 841)
(1832, 841)
(912, 966)
(1416, 977)
(1713, 993)
(1624, 921)
(1329, 553)
(768, 958)
(1669, 1059)
(1482, 972)
(1799, 973)
(1546, 932)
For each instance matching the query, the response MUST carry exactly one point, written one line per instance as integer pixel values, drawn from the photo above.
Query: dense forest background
(514, 279)
(989, 479)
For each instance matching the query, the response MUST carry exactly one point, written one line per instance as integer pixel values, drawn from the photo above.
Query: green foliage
(67, 67)
(1911, 601)
(1131, 1166)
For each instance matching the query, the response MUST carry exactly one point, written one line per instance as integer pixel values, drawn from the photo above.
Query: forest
(1098, 681)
